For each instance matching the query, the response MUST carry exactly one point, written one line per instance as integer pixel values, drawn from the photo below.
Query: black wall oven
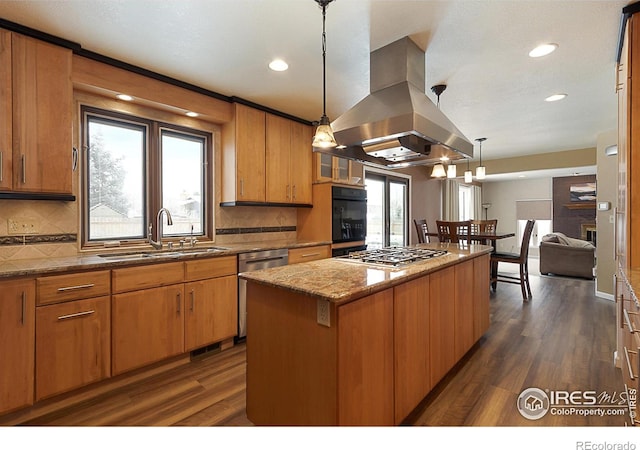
(349, 215)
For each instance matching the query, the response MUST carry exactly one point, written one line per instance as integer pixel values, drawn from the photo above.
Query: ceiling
(478, 48)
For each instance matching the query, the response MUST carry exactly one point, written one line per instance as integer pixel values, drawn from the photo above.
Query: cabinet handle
(288, 190)
(75, 288)
(309, 255)
(294, 191)
(23, 160)
(24, 307)
(74, 159)
(626, 355)
(1, 167)
(628, 321)
(241, 187)
(74, 315)
(193, 300)
(178, 301)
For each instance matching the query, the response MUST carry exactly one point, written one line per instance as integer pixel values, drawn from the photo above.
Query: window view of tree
(107, 178)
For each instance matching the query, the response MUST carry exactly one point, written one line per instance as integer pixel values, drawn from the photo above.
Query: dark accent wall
(568, 216)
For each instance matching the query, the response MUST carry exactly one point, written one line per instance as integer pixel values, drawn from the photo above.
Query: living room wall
(571, 215)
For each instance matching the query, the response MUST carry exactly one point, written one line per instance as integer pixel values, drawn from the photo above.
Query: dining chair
(515, 258)
(422, 229)
(483, 226)
(454, 232)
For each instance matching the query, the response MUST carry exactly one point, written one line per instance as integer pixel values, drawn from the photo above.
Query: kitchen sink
(160, 253)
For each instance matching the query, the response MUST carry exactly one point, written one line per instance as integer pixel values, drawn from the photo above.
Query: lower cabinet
(441, 323)
(211, 311)
(17, 337)
(147, 326)
(72, 345)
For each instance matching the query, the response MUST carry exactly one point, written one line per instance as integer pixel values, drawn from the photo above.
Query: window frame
(152, 177)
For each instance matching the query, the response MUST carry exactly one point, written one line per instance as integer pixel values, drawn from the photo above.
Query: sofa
(562, 255)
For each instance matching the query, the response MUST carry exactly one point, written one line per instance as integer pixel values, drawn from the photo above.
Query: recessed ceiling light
(543, 50)
(278, 65)
(522, 176)
(191, 114)
(555, 97)
(125, 97)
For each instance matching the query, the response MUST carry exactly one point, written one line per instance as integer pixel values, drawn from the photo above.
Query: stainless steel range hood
(397, 125)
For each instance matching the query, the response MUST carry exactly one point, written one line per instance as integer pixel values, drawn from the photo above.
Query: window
(387, 210)
(133, 167)
(465, 202)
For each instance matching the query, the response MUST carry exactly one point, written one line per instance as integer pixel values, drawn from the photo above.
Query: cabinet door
(365, 361)
(73, 345)
(463, 306)
(278, 146)
(250, 154)
(146, 326)
(211, 311)
(342, 170)
(441, 320)
(42, 116)
(411, 345)
(324, 167)
(481, 305)
(6, 113)
(17, 337)
(301, 163)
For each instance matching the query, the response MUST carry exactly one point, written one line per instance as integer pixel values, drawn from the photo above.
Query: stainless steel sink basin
(160, 253)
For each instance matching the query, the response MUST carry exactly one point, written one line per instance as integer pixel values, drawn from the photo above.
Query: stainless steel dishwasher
(248, 262)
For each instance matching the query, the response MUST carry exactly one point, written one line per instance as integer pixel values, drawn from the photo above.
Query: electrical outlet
(22, 225)
(324, 315)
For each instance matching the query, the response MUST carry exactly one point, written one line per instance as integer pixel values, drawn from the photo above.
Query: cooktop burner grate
(393, 256)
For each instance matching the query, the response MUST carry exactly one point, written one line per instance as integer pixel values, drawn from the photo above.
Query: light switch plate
(604, 206)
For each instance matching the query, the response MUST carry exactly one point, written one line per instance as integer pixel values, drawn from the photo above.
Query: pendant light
(324, 134)
(438, 171)
(468, 174)
(480, 170)
(451, 171)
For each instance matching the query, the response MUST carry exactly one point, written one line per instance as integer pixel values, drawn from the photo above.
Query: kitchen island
(336, 342)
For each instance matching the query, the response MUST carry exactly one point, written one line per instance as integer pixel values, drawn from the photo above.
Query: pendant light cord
(324, 62)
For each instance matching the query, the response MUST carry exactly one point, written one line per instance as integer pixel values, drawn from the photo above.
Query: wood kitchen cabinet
(481, 306)
(41, 116)
(147, 308)
(465, 295)
(442, 329)
(73, 331)
(73, 345)
(211, 296)
(6, 112)
(305, 254)
(332, 168)
(288, 161)
(243, 157)
(17, 341)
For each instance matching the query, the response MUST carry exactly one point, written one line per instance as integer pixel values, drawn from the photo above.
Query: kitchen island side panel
(291, 360)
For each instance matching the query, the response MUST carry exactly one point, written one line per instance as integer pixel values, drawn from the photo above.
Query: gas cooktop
(393, 256)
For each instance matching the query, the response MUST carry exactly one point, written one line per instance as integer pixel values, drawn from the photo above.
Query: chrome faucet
(158, 244)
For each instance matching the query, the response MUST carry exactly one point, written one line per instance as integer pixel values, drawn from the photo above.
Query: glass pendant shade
(480, 172)
(451, 171)
(438, 171)
(468, 176)
(324, 135)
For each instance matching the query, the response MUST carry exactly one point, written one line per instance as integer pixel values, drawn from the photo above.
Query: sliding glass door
(387, 210)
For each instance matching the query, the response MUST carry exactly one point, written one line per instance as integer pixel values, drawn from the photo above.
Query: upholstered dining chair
(515, 258)
(483, 226)
(454, 232)
(422, 229)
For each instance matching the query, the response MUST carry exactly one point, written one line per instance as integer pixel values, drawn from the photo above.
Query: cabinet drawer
(61, 288)
(201, 269)
(143, 277)
(298, 255)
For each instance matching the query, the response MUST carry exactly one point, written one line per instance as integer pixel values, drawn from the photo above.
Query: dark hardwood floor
(563, 339)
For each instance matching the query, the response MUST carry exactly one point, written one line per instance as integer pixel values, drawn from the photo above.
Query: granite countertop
(340, 281)
(119, 257)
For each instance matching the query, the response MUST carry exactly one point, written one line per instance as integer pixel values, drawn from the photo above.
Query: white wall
(607, 179)
(503, 196)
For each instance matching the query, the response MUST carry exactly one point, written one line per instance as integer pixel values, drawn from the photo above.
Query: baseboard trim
(605, 295)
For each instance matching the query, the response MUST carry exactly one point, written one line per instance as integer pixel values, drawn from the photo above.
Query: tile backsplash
(52, 227)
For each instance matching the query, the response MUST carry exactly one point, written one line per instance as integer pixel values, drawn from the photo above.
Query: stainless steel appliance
(248, 262)
(393, 256)
(349, 214)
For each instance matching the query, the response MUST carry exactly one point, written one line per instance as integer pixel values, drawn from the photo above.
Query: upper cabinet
(288, 161)
(337, 170)
(36, 108)
(266, 159)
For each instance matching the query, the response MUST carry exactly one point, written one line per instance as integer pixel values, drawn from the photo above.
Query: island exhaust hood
(397, 125)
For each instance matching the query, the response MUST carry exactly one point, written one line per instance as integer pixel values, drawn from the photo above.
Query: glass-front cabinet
(332, 168)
